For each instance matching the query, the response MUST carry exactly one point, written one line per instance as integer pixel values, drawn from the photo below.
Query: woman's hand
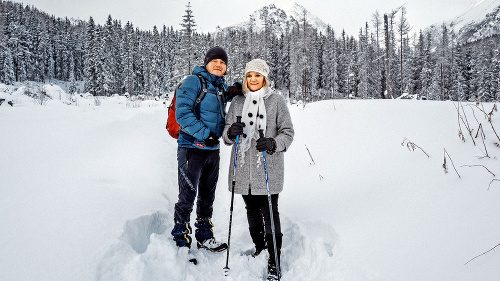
(236, 129)
(266, 144)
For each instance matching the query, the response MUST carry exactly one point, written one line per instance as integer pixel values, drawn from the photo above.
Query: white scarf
(254, 116)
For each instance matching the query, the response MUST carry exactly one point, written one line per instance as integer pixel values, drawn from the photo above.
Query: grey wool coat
(250, 176)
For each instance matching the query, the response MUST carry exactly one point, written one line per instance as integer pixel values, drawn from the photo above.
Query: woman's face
(216, 67)
(255, 81)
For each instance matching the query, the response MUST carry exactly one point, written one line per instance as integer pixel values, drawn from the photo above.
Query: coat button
(251, 123)
(244, 135)
(250, 114)
(261, 116)
(254, 102)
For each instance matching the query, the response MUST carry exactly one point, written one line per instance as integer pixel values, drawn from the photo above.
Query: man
(198, 148)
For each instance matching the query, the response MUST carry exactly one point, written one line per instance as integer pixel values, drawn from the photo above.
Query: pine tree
(128, 63)
(465, 63)
(187, 48)
(170, 39)
(427, 69)
(91, 71)
(488, 70)
(8, 68)
(417, 65)
(329, 63)
(153, 63)
(108, 58)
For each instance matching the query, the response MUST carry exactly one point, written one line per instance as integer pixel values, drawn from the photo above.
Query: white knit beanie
(257, 65)
(260, 66)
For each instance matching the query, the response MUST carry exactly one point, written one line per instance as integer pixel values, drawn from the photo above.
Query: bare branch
(492, 182)
(482, 254)
(479, 166)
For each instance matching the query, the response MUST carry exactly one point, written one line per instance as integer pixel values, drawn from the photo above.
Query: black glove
(233, 91)
(212, 140)
(236, 129)
(266, 144)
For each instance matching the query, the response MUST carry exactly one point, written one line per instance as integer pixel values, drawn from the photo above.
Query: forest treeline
(386, 59)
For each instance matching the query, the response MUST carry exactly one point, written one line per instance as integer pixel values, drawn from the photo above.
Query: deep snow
(87, 193)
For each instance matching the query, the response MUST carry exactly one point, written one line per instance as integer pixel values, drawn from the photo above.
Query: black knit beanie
(215, 53)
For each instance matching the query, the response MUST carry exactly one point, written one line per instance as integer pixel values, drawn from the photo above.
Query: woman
(261, 109)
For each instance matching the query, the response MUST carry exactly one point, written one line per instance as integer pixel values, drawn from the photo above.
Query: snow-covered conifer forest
(386, 59)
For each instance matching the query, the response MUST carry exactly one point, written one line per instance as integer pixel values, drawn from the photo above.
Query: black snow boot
(259, 239)
(273, 269)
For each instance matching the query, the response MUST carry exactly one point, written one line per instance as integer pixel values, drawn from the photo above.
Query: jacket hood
(215, 80)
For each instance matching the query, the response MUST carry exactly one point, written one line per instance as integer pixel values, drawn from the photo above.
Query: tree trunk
(387, 60)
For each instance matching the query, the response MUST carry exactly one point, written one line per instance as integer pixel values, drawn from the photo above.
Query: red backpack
(172, 126)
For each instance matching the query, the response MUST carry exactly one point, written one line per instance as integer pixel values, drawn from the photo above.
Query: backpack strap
(204, 90)
(222, 101)
(200, 95)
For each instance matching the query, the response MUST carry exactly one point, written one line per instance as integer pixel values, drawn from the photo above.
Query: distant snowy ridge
(487, 27)
(476, 13)
(298, 12)
(481, 20)
(280, 18)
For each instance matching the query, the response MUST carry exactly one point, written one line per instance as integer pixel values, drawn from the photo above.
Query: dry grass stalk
(488, 117)
(483, 137)
(313, 163)
(412, 146)
(445, 166)
(465, 122)
(479, 166)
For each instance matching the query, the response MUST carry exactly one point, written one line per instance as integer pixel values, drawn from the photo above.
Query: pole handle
(261, 133)
(238, 119)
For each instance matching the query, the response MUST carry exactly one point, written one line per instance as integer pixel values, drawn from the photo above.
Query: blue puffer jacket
(212, 110)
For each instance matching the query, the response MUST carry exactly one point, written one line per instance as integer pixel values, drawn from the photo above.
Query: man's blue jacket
(211, 110)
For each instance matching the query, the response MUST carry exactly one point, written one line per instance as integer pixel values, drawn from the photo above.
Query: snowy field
(87, 193)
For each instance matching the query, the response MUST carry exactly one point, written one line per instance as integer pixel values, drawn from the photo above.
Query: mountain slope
(481, 20)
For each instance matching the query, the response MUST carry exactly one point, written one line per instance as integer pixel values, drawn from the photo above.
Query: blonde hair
(245, 89)
(259, 66)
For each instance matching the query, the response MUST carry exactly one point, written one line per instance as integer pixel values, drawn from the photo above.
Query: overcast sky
(340, 14)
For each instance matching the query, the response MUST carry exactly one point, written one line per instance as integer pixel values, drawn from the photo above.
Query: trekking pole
(226, 269)
(261, 134)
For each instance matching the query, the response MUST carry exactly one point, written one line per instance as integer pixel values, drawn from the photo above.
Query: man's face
(216, 67)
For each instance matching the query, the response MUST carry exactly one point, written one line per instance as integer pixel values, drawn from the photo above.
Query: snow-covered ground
(87, 193)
